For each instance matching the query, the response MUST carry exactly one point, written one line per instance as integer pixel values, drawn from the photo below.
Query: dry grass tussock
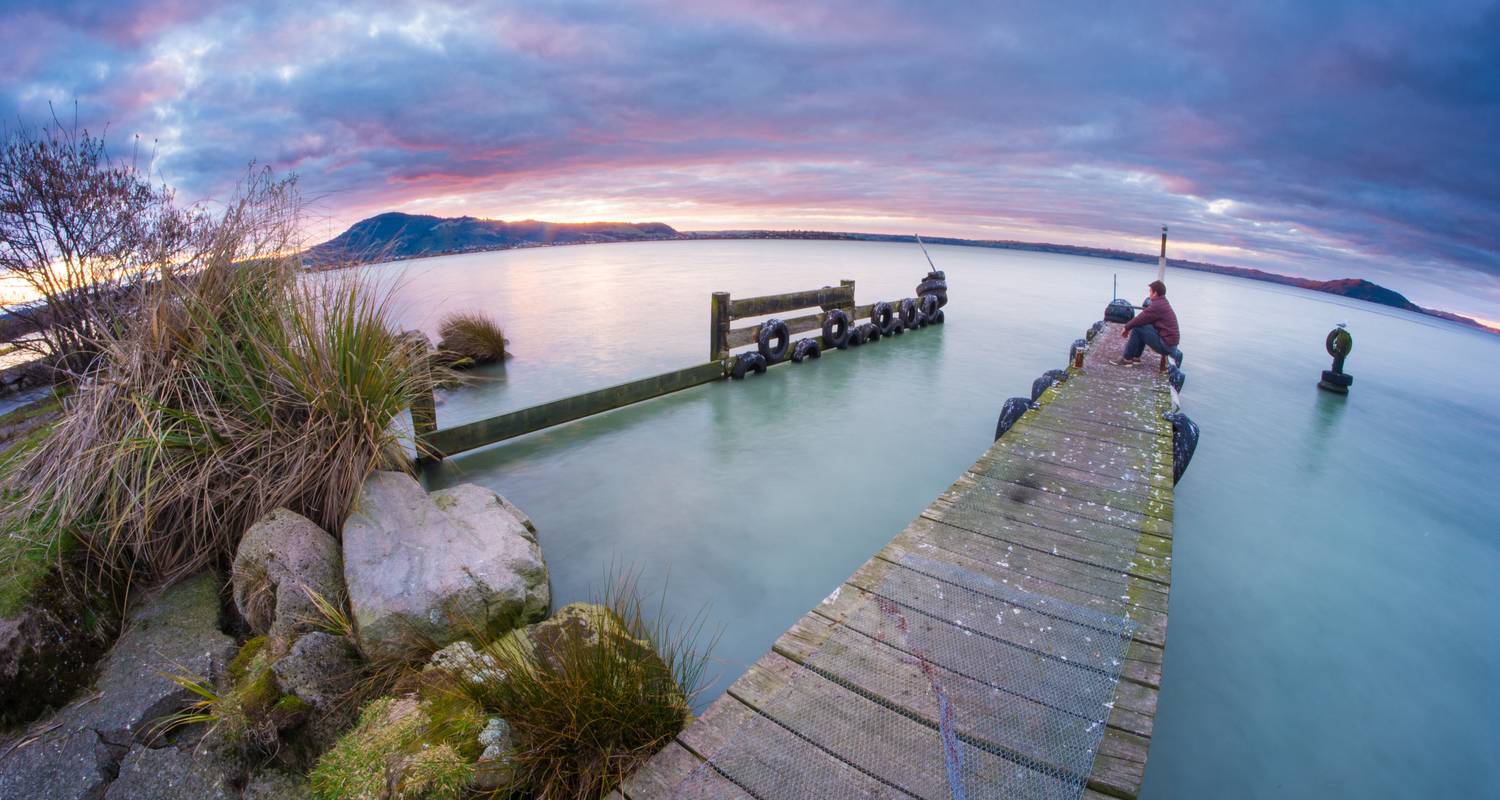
(473, 336)
(238, 386)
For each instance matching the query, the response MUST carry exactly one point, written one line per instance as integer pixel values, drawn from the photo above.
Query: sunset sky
(1327, 139)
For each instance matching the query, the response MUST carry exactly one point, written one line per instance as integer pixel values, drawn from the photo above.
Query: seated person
(1155, 326)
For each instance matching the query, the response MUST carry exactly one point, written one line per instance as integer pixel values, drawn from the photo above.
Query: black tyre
(773, 340)
(1045, 382)
(746, 363)
(909, 312)
(1118, 311)
(806, 348)
(869, 332)
(883, 317)
(929, 307)
(856, 336)
(1010, 413)
(836, 329)
(938, 320)
(1184, 442)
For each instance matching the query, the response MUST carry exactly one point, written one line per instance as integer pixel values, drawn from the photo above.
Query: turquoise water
(1334, 616)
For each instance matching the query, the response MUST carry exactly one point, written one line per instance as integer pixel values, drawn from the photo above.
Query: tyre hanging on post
(836, 329)
(773, 340)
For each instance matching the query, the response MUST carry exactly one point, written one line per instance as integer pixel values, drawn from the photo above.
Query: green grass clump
(590, 694)
(393, 746)
(470, 339)
(235, 390)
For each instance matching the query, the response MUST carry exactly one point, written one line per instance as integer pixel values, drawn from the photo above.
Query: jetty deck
(1007, 643)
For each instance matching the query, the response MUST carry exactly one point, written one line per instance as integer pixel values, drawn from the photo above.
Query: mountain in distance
(394, 236)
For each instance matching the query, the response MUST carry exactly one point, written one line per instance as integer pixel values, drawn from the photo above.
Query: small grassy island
(218, 575)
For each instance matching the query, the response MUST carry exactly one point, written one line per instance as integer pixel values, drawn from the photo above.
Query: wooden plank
(450, 441)
(767, 760)
(678, 772)
(893, 747)
(718, 326)
(739, 337)
(828, 296)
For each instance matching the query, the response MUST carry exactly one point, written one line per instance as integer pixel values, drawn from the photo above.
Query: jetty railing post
(718, 326)
(849, 308)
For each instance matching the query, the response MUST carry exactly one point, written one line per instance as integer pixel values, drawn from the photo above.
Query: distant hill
(394, 236)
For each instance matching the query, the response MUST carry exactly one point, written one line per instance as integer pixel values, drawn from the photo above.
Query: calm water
(1334, 611)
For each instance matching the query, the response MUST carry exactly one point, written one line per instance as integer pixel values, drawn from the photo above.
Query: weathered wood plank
(739, 337)
(841, 722)
(829, 296)
(767, 760)
(450, 441)
(678, 772)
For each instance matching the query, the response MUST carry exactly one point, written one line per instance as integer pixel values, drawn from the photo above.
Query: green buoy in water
(1339, 343)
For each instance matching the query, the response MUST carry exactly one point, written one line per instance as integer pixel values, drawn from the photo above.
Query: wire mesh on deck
(939, 682)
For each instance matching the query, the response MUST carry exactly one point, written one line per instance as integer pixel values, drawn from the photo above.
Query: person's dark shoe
(1177, 356)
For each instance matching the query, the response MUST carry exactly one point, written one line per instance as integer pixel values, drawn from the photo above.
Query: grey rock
(169, 774)
(275, 785)
(280, 560)
(433, 568)
(75, 766)
(174, 632)
(466, 663)
(495, 767)
(319, 669)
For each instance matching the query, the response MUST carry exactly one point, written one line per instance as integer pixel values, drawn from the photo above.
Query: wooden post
(849, 309)
(718, 326)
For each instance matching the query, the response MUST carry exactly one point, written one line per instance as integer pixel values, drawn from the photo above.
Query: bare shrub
(235, 386)
(82, 232)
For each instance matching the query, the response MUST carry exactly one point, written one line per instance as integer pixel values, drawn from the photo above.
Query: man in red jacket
(1155, 326)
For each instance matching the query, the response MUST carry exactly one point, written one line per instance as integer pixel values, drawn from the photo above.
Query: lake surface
(1335, 622)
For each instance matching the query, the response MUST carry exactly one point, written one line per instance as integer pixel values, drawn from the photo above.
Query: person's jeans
(1143, 336)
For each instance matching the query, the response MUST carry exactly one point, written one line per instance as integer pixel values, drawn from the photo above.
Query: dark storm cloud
(1316, 137)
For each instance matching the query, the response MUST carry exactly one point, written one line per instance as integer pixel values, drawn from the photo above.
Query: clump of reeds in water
(471, 339)
(236, 388)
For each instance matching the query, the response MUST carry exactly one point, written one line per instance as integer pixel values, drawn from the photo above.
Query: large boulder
(169, 774)
(282, 561)
(430, 569)
(175, 632)
(73, 766)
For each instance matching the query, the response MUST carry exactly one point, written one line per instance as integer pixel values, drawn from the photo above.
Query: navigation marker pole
(924, 251)
(1161, 264)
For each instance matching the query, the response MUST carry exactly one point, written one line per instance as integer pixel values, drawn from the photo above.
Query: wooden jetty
(437, 444)
(1007, 643)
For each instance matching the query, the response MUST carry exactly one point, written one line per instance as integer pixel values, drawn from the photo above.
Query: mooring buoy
(1338, 344)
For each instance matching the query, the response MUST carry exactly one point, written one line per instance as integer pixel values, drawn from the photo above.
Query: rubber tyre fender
(1045, 382)
(1094, 330)
(1009, 414)
(883, 317)
(929, 307)
(869, 332)
(806, 348)
(1118, 311)
(836, 329)
(773, 330)
(747, 362)
(1184, 442)
(909, 312)
(856, 336)
(1343, 379)
(937, 319)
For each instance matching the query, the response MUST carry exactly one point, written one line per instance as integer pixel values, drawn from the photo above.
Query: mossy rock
(413, 745)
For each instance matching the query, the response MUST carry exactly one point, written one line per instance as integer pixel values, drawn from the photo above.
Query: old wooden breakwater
(1007, 643)
(836, 316)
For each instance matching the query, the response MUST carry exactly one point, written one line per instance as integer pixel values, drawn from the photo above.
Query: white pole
(1161, 264)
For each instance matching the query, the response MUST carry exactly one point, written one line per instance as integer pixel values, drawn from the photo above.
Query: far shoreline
(1351, 288)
